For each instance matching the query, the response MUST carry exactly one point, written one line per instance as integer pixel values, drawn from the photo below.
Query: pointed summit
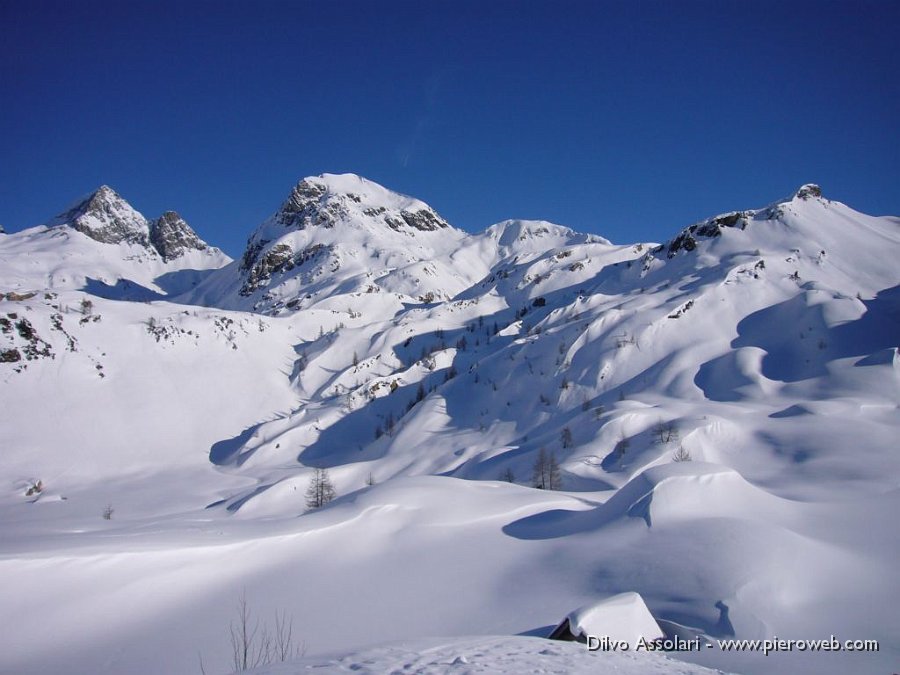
(105, 217)
(172, 237)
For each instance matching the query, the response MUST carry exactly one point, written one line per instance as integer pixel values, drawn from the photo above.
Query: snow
(199, 414)
(498, 655)
(622, 618)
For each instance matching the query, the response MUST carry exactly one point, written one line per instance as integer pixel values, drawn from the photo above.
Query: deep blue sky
(629, 119)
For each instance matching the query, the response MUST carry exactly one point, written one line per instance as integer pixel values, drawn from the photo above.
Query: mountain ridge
(723, 420)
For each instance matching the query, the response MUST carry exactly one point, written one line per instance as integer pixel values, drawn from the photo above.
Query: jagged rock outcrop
(323, 202)
(172, 237)
(105, 217)
(809, 190)
(713, 227)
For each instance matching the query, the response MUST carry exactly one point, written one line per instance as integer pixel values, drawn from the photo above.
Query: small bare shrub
(681, 455)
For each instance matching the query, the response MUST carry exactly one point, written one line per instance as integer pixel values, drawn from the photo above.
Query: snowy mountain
(105, 217)
(339, 239)
(335, 239)
(173, 238)
(103, 245)
(722, 408)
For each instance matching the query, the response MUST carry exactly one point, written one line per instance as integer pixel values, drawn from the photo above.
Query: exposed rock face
(312, 204)
(105, 217)
(713, 227)
(809, 190)
(277, 259)
(280, 258)
(424, 220)
(172, 237)
(687, 239)
(306, 207)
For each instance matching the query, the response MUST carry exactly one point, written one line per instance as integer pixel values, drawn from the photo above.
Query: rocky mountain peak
(328, 199)
(172, 237)
(106, 217)
(807, 191)
(340, 211)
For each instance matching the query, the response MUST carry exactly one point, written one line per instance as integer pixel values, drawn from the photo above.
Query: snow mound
(517, 237)
(623, 617)
(680, 491)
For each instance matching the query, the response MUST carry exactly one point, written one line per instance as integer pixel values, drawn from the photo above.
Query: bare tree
(320, 490)
(253, 645)
(283, 647)
(555, 476)
(546, 474)
(246, 651)
(622, 444)
(664, 432)
(508, 475)
(566, 437)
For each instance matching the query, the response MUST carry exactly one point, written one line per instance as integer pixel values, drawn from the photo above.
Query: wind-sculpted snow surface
(494, 655)
(723, 408)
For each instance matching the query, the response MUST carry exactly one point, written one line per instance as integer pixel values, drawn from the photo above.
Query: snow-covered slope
(494, 655)
(723, 408)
